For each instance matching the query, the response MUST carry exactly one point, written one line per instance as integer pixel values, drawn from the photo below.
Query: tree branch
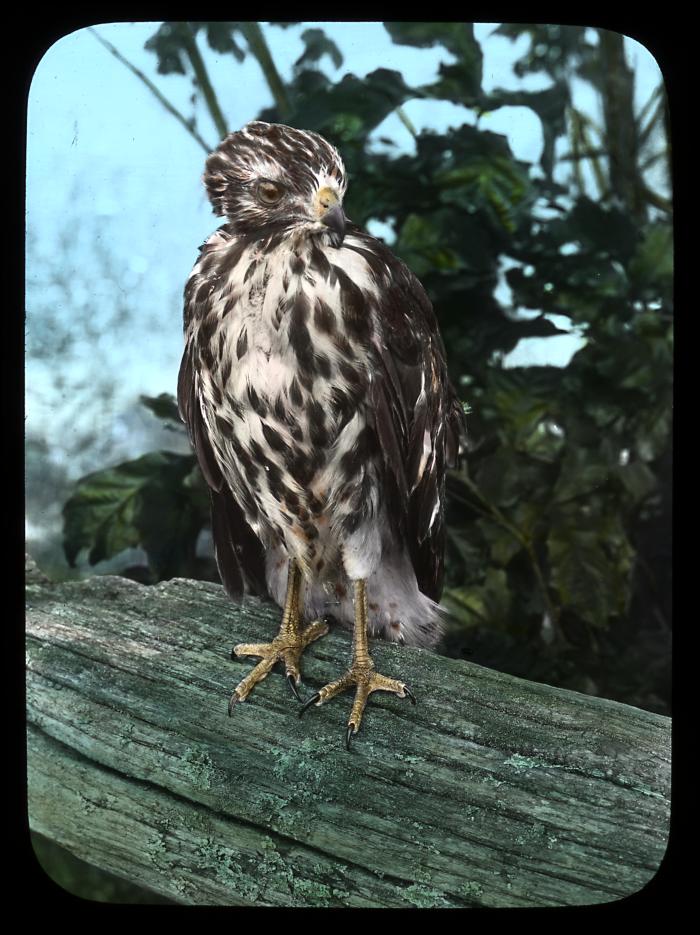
(406, 121)
(153, 89)
(200, 72)
(621, 134)
(259, 48)
(493, 791)
(580, 128)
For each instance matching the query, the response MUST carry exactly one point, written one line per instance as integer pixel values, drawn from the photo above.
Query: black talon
(233, 654)
(407, 691)
(232, 703)
(307, 704)
(348, 736)
(292, 685)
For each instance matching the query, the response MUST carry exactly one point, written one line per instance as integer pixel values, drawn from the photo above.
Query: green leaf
(457, 38)
(470, 554)
(520, 407)
(168, 46)
(317, 45)
(549, 105)
(582, 473)
(163, 407)
(638, 479)
(422, 245)
(502, 543)
(657, 436)
(652, 264)
(591, 561)
(459, 83)
(493, 181)
(479, 172)
(347, 111)
(140, 502)
(168, 521)
(485, 604)
(220, 37)
(609, 230)
(198, 491)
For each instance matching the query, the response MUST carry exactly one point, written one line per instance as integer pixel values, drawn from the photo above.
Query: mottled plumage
(315, 390)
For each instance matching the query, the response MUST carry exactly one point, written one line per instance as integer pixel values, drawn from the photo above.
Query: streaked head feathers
(301, 162)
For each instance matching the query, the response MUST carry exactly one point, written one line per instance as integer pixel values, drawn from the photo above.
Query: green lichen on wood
(199, 767)
(492, 792)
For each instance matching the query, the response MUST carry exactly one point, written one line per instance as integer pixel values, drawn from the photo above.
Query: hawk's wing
(239, 553)
(420, 422)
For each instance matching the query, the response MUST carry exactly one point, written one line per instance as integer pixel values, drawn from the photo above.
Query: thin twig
(658, 201)
(202, 76)
(583, 124)
(653, 97)
(656, 117)
(588, 121)
(153, 89)
(259, 48)
(576, 154)
(406, 121)
(653, 158)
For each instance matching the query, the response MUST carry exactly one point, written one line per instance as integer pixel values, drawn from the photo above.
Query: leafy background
(558, 563)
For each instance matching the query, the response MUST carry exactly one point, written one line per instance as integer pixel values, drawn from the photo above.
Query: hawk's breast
(284, 338)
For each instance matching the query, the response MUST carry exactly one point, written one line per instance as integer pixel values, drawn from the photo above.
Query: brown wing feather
(239, 553)
(418, 417)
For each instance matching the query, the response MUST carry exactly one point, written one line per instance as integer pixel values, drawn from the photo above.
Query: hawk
(315, 391)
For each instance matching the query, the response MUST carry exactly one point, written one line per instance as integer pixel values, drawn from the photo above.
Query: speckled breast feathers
(315, 388)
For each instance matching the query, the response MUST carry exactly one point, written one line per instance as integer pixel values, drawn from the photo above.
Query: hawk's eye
(269, 192)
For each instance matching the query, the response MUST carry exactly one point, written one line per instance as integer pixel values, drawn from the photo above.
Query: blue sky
(116, 209)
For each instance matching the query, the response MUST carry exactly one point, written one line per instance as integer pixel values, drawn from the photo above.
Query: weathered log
(493, 791)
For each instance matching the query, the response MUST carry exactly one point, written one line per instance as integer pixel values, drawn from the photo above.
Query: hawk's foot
(286, 647)
(367, 680)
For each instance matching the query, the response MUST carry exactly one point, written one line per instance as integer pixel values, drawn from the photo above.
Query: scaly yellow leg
(361, 673)
(287, 646)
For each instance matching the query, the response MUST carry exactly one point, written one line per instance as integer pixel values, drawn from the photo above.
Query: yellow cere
(325, 199)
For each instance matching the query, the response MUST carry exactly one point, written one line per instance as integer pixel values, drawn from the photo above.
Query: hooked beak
(334, 219)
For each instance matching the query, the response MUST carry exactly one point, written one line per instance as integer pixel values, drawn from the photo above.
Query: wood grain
(493, 791)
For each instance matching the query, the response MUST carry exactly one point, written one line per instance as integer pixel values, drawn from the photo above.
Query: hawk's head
(268, 177)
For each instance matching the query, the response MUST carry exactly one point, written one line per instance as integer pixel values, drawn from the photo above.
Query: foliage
(553, 570)
(146, 502)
